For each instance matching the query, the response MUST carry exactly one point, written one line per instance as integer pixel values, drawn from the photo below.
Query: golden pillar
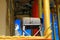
(48, 31)
(59, 19)
(40, 8)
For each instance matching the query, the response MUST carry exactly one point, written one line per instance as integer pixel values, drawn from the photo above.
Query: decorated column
(35, 13)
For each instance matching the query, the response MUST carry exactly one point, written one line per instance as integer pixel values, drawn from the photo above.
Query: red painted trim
(35, 9)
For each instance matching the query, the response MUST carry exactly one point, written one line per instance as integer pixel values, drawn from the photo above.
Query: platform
(23, 38)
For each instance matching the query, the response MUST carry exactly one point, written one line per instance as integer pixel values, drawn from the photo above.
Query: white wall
(3, 12)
